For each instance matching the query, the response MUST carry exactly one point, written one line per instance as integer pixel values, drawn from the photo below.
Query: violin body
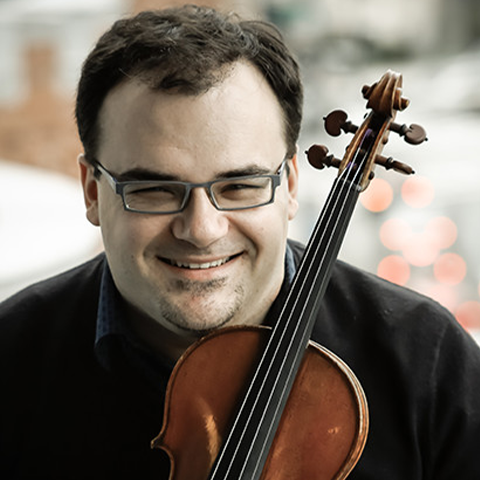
(322, 430)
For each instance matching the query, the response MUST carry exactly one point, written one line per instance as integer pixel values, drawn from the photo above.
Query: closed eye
(240, 186)
(152, 189)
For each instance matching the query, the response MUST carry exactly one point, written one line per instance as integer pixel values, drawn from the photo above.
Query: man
(189, 121)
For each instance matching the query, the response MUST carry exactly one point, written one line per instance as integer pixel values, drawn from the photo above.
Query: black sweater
(63, 416)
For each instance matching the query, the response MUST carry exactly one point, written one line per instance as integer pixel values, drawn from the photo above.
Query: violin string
(304, 337)
(358, 172)
(343, 186)
(333, 198)
(306, 334)
(317, 245)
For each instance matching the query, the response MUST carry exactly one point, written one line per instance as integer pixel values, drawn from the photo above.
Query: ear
(90, 190)
(292, 187)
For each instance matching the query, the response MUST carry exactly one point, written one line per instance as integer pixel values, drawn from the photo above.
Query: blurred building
(341, 44)
(43, 42)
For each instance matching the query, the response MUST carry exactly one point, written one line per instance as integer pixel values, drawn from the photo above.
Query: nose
(200, 224)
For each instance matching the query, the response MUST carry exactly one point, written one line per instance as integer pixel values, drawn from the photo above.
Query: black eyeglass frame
(119, 188)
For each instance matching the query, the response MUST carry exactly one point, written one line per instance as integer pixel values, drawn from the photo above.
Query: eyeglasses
(165, 196)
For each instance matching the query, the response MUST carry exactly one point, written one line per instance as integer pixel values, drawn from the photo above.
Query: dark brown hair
(187, 49)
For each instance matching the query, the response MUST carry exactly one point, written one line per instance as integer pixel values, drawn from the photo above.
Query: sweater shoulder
(354, 292)
(67, 293)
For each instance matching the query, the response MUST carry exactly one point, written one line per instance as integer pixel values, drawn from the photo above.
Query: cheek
(118, 241)
(126, 234)
(267, 230)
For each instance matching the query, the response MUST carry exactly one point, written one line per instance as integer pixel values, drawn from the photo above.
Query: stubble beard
(205, 313)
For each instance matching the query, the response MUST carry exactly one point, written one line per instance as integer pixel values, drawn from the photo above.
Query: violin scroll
(384, 98)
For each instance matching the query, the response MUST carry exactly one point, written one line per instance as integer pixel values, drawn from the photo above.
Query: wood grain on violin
(250, 403)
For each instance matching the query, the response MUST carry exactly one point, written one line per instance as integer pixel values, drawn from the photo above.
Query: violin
(253, 402)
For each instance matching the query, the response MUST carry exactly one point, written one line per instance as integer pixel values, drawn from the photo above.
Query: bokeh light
(421, 250)
(395, 269)
(468, 315)
(443, 230)
(446, 295)
(450, 269)
(417, 192)
(378, 196)
(394, 233)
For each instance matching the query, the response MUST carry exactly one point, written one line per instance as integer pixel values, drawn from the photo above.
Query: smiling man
(215, 259)
(189, 120)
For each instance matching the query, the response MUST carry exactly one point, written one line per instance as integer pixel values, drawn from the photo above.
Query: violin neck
(246, 449)
(314, 272)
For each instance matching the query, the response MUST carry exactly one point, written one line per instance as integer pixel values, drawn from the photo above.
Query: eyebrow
(143, 174)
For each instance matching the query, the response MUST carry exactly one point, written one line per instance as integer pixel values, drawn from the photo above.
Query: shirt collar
(111, 320)
(117, 346)
(290, 267)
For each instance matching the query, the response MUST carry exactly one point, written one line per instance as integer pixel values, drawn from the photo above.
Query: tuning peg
(414, 134)
(367, 90)
(400, 103)
(319, 158)
(389, 163)
(336, 121)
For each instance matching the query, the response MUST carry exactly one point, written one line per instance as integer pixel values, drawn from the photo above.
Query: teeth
(201, 266)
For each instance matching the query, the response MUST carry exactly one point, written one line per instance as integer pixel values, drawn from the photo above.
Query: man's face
(199, 269)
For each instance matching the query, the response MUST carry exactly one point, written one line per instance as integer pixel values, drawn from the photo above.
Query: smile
(199, 266)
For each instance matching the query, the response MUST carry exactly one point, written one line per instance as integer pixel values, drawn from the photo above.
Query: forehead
(236, 119)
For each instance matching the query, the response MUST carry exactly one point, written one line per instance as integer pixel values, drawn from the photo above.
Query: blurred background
(417, 231)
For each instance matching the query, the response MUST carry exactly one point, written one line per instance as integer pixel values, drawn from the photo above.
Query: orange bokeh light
(468, 315)
(394, 233)
(378, 196)
(417, 192)
(443, 294)
(395, 269)
(450, 269)
(443, 230)
(421, 250)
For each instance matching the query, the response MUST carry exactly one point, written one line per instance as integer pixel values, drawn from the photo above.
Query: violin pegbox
(384, 99)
